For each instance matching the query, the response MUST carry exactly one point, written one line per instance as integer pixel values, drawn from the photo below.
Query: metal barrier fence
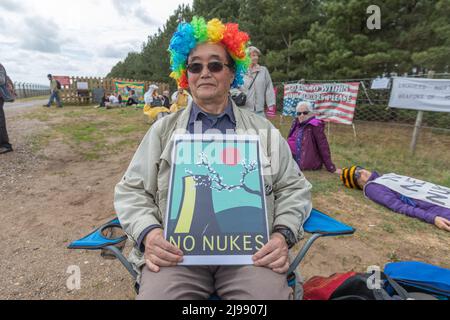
(27, 90)
(70, 94)
(372, 110)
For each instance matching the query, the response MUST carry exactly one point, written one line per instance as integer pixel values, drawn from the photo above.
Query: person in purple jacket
(405, 195)
(308, 142)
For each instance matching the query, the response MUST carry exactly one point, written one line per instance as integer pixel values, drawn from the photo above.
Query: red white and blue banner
(333, 102)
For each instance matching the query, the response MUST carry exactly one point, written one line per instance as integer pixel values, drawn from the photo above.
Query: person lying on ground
(409, 196)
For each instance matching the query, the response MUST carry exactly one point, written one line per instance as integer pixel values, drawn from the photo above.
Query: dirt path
(25, 104)
(48, 200)
(53, 196)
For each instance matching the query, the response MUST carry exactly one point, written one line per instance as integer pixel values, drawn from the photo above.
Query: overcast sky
(75, 38)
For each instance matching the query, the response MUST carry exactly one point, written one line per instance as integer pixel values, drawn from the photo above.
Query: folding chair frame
(96, 241)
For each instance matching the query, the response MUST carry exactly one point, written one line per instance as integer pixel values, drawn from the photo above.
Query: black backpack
(58, 85)
(356, 288)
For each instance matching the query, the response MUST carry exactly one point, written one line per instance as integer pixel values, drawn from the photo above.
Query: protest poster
(333, 102)
(416, 189)
(420, 94)
(380, 84)
(124, 88)
(216, 211)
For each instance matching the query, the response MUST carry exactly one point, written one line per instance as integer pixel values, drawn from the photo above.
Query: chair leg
(118, 254)
(303, 252)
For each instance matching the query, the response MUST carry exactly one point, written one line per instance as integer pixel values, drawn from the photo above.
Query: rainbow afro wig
(189, 35)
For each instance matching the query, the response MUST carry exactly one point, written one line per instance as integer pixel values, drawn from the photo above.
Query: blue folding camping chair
(318, 224)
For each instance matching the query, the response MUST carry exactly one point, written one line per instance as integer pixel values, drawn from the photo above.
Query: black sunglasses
(214, 67)
(305, 113)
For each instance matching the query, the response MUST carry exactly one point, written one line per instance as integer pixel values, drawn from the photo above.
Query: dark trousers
(4, 140)
(131, 101)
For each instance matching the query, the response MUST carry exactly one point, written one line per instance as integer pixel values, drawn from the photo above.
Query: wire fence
(27, 90)
(372, 105)
(372, 113)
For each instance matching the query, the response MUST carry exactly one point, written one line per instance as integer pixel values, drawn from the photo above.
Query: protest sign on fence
(421, 94)
(380, 84)
(124, 89)
(333, 102)
(216, 211)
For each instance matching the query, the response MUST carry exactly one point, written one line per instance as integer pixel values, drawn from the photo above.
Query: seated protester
(141, 195)
(133, 99)
(113, 101)
(113, 98)
(148, 96)
(308, 142)
(153, 104)
(165, 99)
(405, 195)
(156, 99)
(181, 99)
(120, 99)
(103, 101)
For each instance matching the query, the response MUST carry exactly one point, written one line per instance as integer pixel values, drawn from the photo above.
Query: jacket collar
(183, 119)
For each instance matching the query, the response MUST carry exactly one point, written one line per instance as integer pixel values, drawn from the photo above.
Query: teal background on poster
(188, 156)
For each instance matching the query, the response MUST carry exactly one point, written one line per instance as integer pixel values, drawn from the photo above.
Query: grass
(32, 98)
(91, 133)
(383, 148)
(95, 134)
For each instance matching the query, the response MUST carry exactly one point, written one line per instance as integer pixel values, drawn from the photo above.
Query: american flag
(333, 102)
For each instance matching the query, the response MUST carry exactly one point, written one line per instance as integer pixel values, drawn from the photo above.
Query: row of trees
(316, 39)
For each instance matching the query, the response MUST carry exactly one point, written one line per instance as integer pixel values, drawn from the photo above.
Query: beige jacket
(262, 93)
(141, 196)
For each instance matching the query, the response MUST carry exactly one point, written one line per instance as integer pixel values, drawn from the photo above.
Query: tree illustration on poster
(217, 198)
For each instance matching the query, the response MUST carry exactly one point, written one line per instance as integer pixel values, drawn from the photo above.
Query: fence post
(418, 123)
(416, 131)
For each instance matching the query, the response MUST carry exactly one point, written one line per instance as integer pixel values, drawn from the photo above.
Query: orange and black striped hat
(349, 177)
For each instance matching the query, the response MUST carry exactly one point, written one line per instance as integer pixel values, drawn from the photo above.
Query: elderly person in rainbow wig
(209, 58)
(308, 142)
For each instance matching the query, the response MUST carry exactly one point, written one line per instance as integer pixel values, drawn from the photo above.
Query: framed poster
(216, 211)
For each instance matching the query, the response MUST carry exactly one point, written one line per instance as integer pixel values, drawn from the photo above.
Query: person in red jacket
(308, 142)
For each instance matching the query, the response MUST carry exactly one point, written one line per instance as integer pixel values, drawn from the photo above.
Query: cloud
(134, 8)
(116, 51)
(10, 5)
(124, 7)
(142, 15)
(41, 35)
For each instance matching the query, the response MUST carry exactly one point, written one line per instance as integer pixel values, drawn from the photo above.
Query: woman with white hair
(308, 142)
(258, 85)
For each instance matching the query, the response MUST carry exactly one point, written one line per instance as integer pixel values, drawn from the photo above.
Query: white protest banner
(380, 84)
(333, 102)
(421, 94)
(416, 189)
(82, 86)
